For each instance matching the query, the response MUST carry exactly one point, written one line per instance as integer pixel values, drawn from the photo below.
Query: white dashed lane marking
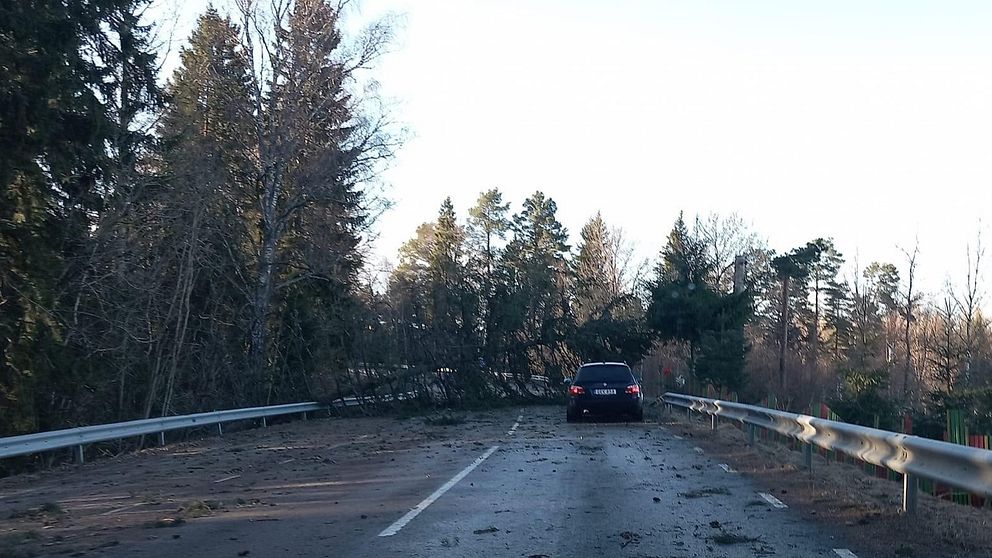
(727, 468)
(775, 502)
(697, 450)
(844, 553)
(408, 517)
(515, 425)
(678, 437)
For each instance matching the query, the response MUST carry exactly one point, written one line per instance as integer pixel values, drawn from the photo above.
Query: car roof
(604, 363)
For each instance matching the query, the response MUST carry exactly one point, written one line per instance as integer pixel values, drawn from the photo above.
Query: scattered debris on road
(629, 537)
(702, 492)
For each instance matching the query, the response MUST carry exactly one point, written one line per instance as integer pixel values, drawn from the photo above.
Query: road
(590, 490)
(518, 482)
(548, 488)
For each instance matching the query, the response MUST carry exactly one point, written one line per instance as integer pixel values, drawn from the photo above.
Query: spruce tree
(686, 310)
(57, 120)
(539, 311)
(610, 322)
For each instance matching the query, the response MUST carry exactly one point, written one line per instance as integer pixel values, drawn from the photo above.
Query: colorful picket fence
(957, 432)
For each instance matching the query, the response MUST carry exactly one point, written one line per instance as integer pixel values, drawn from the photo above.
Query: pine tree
(823, 271)
(837, 310)
(793, 270)
(873, 295)
(488, 225)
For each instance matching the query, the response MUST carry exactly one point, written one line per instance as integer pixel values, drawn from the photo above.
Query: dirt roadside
(253, 475)
(865, 509)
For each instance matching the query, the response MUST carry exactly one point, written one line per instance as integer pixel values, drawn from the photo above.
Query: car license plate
(604, 391)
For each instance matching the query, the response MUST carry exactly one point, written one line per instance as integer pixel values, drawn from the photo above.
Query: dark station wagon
(604, 388)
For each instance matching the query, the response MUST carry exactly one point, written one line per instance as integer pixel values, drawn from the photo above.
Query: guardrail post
(688, 413)
(304, 415)
(750, 434)
(909, 487)
(161, 438)
(80, 458)
(265, 423)
(713, 422)
(220, 429)
(808, 456)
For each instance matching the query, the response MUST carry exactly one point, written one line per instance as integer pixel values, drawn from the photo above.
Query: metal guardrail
(78, 437)
(914, 457)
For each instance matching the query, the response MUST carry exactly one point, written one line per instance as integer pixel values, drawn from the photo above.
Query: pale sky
(868, 122)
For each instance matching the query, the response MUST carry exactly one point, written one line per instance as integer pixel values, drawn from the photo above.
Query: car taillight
(633, 389)
(576, 390)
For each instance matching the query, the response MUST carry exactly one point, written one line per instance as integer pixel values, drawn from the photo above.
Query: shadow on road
(606, 419)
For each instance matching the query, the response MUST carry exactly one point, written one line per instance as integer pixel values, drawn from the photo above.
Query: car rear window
(604, 373)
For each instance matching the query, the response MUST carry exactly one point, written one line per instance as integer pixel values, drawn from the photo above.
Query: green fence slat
(957, 433)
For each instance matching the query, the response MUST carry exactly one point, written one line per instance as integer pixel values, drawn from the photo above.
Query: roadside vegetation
(200, 240)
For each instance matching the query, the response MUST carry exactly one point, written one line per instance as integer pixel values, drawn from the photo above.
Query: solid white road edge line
(727, 468)
(844, 553)
(772, 500)
(401, 522)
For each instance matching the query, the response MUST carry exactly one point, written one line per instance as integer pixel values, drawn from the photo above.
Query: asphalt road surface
(525, 483)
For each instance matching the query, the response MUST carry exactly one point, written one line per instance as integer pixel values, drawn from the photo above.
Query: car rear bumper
(605, 407)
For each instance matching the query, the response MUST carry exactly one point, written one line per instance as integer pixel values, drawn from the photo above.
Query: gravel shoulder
(845, 498)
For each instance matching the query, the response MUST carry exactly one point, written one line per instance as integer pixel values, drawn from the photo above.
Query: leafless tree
(945, 351)
(970, 302)
(909, 301)
(725, 238)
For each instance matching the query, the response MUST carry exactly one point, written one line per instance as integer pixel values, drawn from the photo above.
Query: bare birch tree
(316, 143)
